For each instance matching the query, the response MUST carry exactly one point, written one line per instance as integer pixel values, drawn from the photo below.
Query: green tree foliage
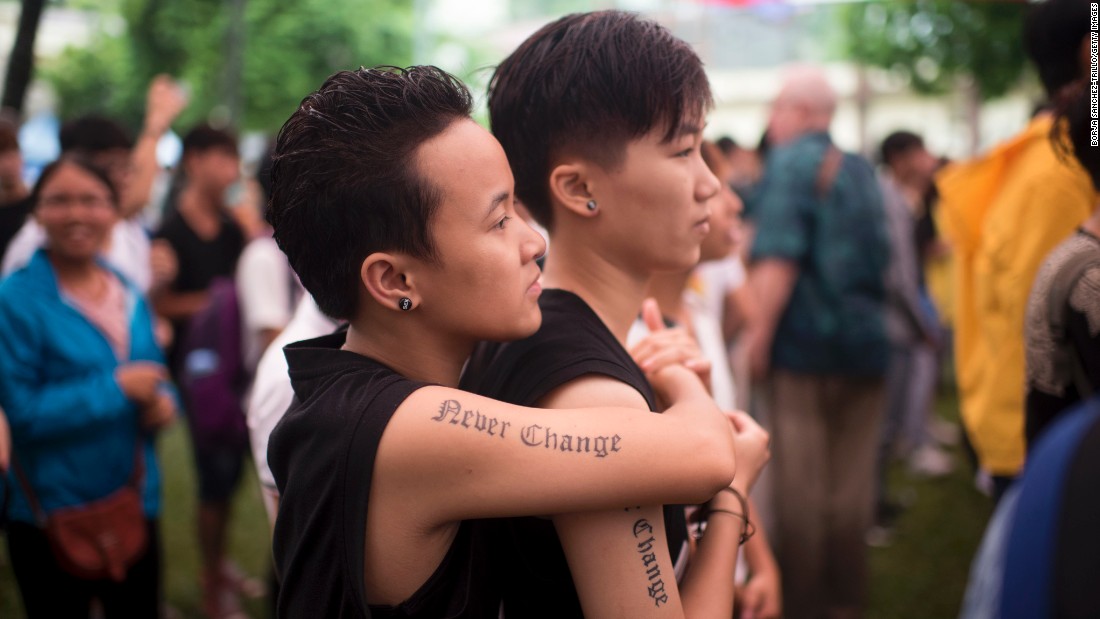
(932, 42)
(290, 47)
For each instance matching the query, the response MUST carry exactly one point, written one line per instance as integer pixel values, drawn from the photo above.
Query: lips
(535, 288)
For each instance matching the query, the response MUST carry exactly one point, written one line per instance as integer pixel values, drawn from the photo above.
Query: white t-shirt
(266, 290)
(272, 393)
(129, 252)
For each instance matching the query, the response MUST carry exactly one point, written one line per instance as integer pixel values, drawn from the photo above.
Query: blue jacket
(73, 430)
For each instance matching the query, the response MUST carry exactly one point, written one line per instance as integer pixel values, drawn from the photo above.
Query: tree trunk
(21, 61)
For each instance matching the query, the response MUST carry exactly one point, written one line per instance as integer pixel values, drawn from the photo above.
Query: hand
(750, 443)
(5, 443)
(163, 103)
(140, 381)
(664, 346)
(163, 263)
(160, 414)
(759, 353)
(761, 597)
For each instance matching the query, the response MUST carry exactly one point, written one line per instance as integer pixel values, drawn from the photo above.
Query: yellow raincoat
(1002, 214)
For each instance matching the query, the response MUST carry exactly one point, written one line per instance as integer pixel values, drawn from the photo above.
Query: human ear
(388, 280)
(571, 185)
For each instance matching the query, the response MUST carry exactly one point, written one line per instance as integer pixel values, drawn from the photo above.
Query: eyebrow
(687, 128)
(495, 202)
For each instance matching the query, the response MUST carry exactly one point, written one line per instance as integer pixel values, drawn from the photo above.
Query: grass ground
(921, 575)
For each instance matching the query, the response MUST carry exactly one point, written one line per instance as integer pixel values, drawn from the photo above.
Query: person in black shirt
(396, 211)
(15, 202)
(206, 242)
(617, 178)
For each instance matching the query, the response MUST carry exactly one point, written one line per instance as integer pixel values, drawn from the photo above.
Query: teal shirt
(833, 323)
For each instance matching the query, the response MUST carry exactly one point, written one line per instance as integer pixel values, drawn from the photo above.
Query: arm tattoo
(534, 435)
(656, 587)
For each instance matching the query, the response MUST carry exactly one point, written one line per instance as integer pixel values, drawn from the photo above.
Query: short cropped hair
(93, 134)
(726, 144)
(589, 83)
(203, 138)
(344, 179)
(898, 144)
(1053, 32)
(1072, 132)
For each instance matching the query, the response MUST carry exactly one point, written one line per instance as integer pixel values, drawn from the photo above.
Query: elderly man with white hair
(820, 349)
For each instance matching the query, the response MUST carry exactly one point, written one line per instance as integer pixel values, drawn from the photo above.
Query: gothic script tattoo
(450, 411)
(534, 435)
(656, 587)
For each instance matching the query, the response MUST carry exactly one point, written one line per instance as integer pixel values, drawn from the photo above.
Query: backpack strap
(826, 174)
(1058, 315)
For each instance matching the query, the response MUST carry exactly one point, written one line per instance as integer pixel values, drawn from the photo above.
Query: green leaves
(290, 47)
(932, 42)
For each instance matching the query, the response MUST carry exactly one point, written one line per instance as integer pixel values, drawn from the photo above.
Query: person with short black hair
(397, 213)
(132, 168)
(601, 116)
(14, 203)
(207, 242)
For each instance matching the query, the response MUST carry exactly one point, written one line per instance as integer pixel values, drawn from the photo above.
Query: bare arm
(164, 102)
(771, 281)
(761, 597)
(448, 455)
(179, 305)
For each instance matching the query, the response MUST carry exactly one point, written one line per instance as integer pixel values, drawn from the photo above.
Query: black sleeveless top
(322, 456)
(572, 342)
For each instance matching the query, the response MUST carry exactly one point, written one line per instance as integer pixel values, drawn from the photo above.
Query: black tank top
(322, 456)
(572, 342)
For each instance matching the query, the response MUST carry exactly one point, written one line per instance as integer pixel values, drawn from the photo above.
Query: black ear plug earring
(405, 304)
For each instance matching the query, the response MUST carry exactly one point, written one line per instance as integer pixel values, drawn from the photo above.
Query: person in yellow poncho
(1003, 212)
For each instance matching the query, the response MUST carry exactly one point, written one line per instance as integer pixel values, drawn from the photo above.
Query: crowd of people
(442, 345)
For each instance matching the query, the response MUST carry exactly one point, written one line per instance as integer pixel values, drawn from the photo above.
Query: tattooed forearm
(450, 411)
(656, 588)
(534, 435)
(537, 436)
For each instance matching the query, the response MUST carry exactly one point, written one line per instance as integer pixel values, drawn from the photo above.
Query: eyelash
(686, 152)
(500, 224)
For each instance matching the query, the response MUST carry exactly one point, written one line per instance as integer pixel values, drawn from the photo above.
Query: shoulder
(572, 342)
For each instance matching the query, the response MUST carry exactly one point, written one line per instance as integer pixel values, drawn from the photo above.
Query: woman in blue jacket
(82, 384)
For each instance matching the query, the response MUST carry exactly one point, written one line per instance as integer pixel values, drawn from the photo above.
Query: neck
(194, 200)
(1092, 224)
(668, 290)
(614, 293)
(72, 270)
(410, 347)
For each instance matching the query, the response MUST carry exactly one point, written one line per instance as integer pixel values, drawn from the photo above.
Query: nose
(707, 184)
(534, 245)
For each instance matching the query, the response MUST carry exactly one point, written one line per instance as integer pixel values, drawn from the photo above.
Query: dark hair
(203, 138)
(93, 134)
(1072, 132)
(344, 181)
(898, 144)
(9, 136)
(590, 82)
(81, 161)
(1053, 32)
(726, 144)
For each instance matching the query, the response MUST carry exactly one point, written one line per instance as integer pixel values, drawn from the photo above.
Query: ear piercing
(405, 304)
(591, 205)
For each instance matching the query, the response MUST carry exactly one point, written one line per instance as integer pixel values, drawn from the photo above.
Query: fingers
(651, 315)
